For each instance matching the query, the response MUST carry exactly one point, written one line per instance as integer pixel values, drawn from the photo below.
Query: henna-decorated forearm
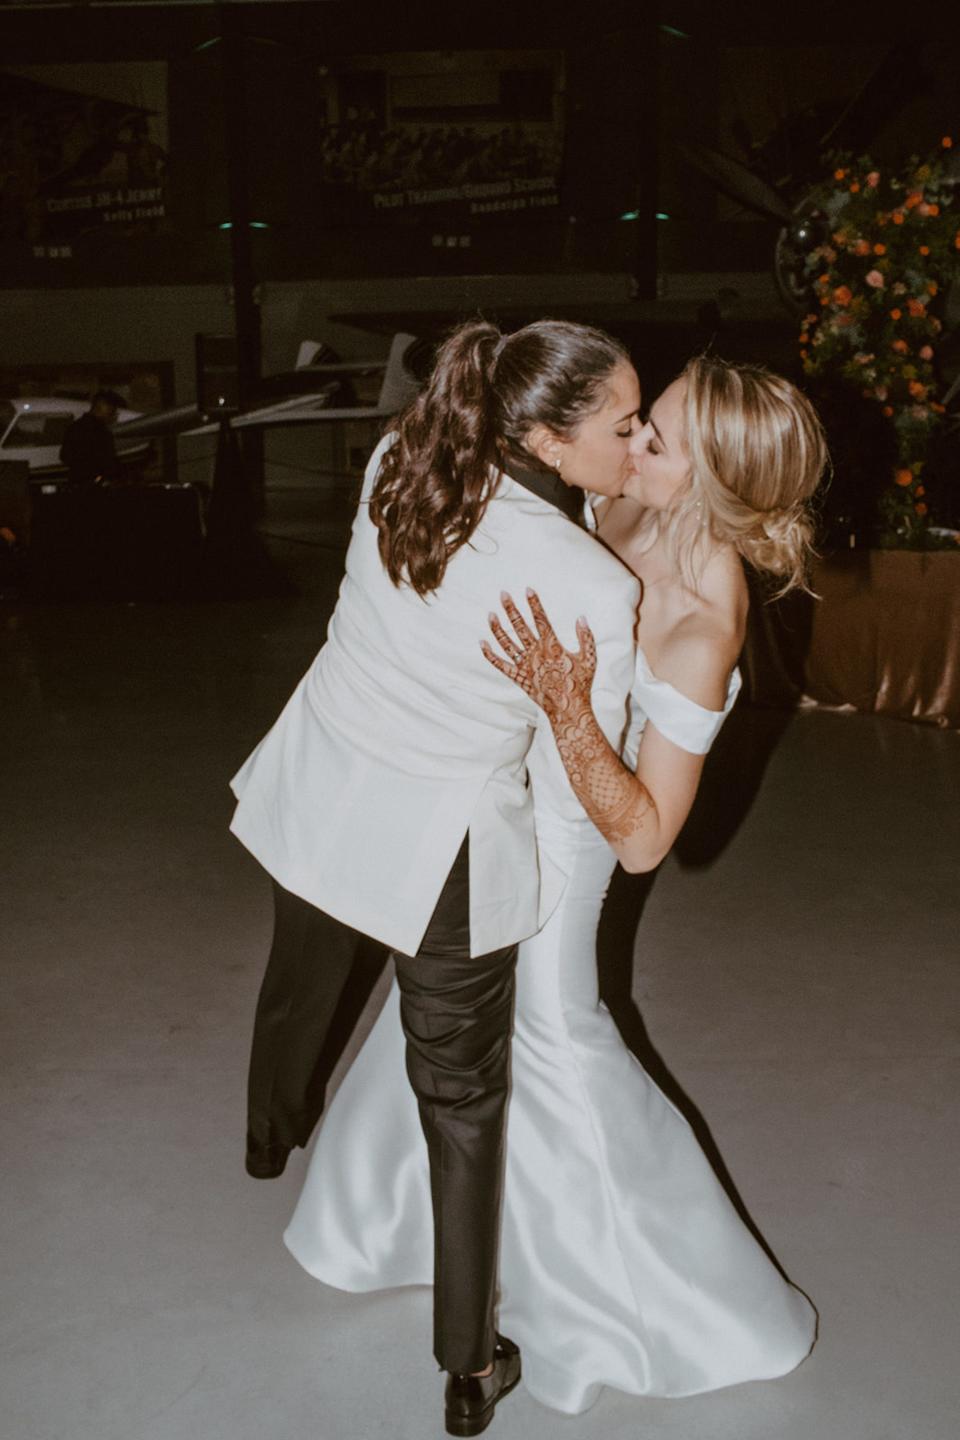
(560, 681)
(616, 801)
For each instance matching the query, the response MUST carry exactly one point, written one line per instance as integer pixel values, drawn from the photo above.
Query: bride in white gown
(623, 1261)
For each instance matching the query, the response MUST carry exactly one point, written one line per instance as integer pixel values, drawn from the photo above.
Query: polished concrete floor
(795, 973)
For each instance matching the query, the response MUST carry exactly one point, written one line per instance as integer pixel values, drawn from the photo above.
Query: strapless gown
(623, 1261)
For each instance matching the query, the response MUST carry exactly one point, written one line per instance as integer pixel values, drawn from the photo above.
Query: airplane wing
(316, 386)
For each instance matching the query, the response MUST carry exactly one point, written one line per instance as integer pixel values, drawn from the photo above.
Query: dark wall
(267, 56)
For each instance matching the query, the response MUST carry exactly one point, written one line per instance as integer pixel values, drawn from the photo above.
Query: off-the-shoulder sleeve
(678, 718)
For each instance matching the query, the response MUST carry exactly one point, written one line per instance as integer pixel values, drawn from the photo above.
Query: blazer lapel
(568, 499)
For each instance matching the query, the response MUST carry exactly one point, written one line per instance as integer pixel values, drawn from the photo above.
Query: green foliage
(880, 279)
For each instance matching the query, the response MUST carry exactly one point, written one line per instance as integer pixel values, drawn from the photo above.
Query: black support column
(243, 280)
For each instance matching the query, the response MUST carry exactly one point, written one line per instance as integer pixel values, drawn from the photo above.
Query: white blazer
(402, 736)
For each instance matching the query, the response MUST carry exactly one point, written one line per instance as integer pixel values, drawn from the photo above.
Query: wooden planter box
(884, 638)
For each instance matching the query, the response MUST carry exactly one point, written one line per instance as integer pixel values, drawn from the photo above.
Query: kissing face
(660, 464)
(597, 455)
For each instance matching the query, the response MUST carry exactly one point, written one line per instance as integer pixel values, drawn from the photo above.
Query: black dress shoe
(266, 1162)
(472, 1399)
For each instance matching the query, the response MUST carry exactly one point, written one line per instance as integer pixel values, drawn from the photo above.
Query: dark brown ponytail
(435, 480)
(471, 420)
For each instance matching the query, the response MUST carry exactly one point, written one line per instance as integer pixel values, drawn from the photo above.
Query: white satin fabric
(623, 1262)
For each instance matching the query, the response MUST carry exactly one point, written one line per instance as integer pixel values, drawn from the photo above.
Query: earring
(558, 463)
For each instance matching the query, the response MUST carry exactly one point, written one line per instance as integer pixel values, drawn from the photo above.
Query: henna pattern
(615, 800)
(559, 681)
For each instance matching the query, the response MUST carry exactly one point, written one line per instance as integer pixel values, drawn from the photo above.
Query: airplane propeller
(794, 154)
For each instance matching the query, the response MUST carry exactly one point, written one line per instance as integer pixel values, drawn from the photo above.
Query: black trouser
(311, 960)
(457, 1015)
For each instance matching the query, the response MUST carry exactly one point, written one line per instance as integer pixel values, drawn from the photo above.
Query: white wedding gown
(623, 1262)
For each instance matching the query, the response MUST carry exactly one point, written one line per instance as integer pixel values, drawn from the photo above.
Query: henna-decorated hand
(558, 680)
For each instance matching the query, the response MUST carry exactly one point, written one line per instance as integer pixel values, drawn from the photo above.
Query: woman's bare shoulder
(697, 660)
(698, 651)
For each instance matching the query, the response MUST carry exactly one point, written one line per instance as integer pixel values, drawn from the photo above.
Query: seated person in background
(88, 450)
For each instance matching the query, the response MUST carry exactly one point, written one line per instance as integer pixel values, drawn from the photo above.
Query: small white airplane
(320, 383)
(32, 429)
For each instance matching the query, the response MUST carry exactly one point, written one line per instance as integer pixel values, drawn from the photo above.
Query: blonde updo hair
(757, 453)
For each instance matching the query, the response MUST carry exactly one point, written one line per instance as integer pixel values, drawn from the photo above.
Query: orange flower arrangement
(894, 235)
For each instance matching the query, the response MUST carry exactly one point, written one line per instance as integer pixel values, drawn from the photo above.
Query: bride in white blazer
(399, 737)
(393, 792)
